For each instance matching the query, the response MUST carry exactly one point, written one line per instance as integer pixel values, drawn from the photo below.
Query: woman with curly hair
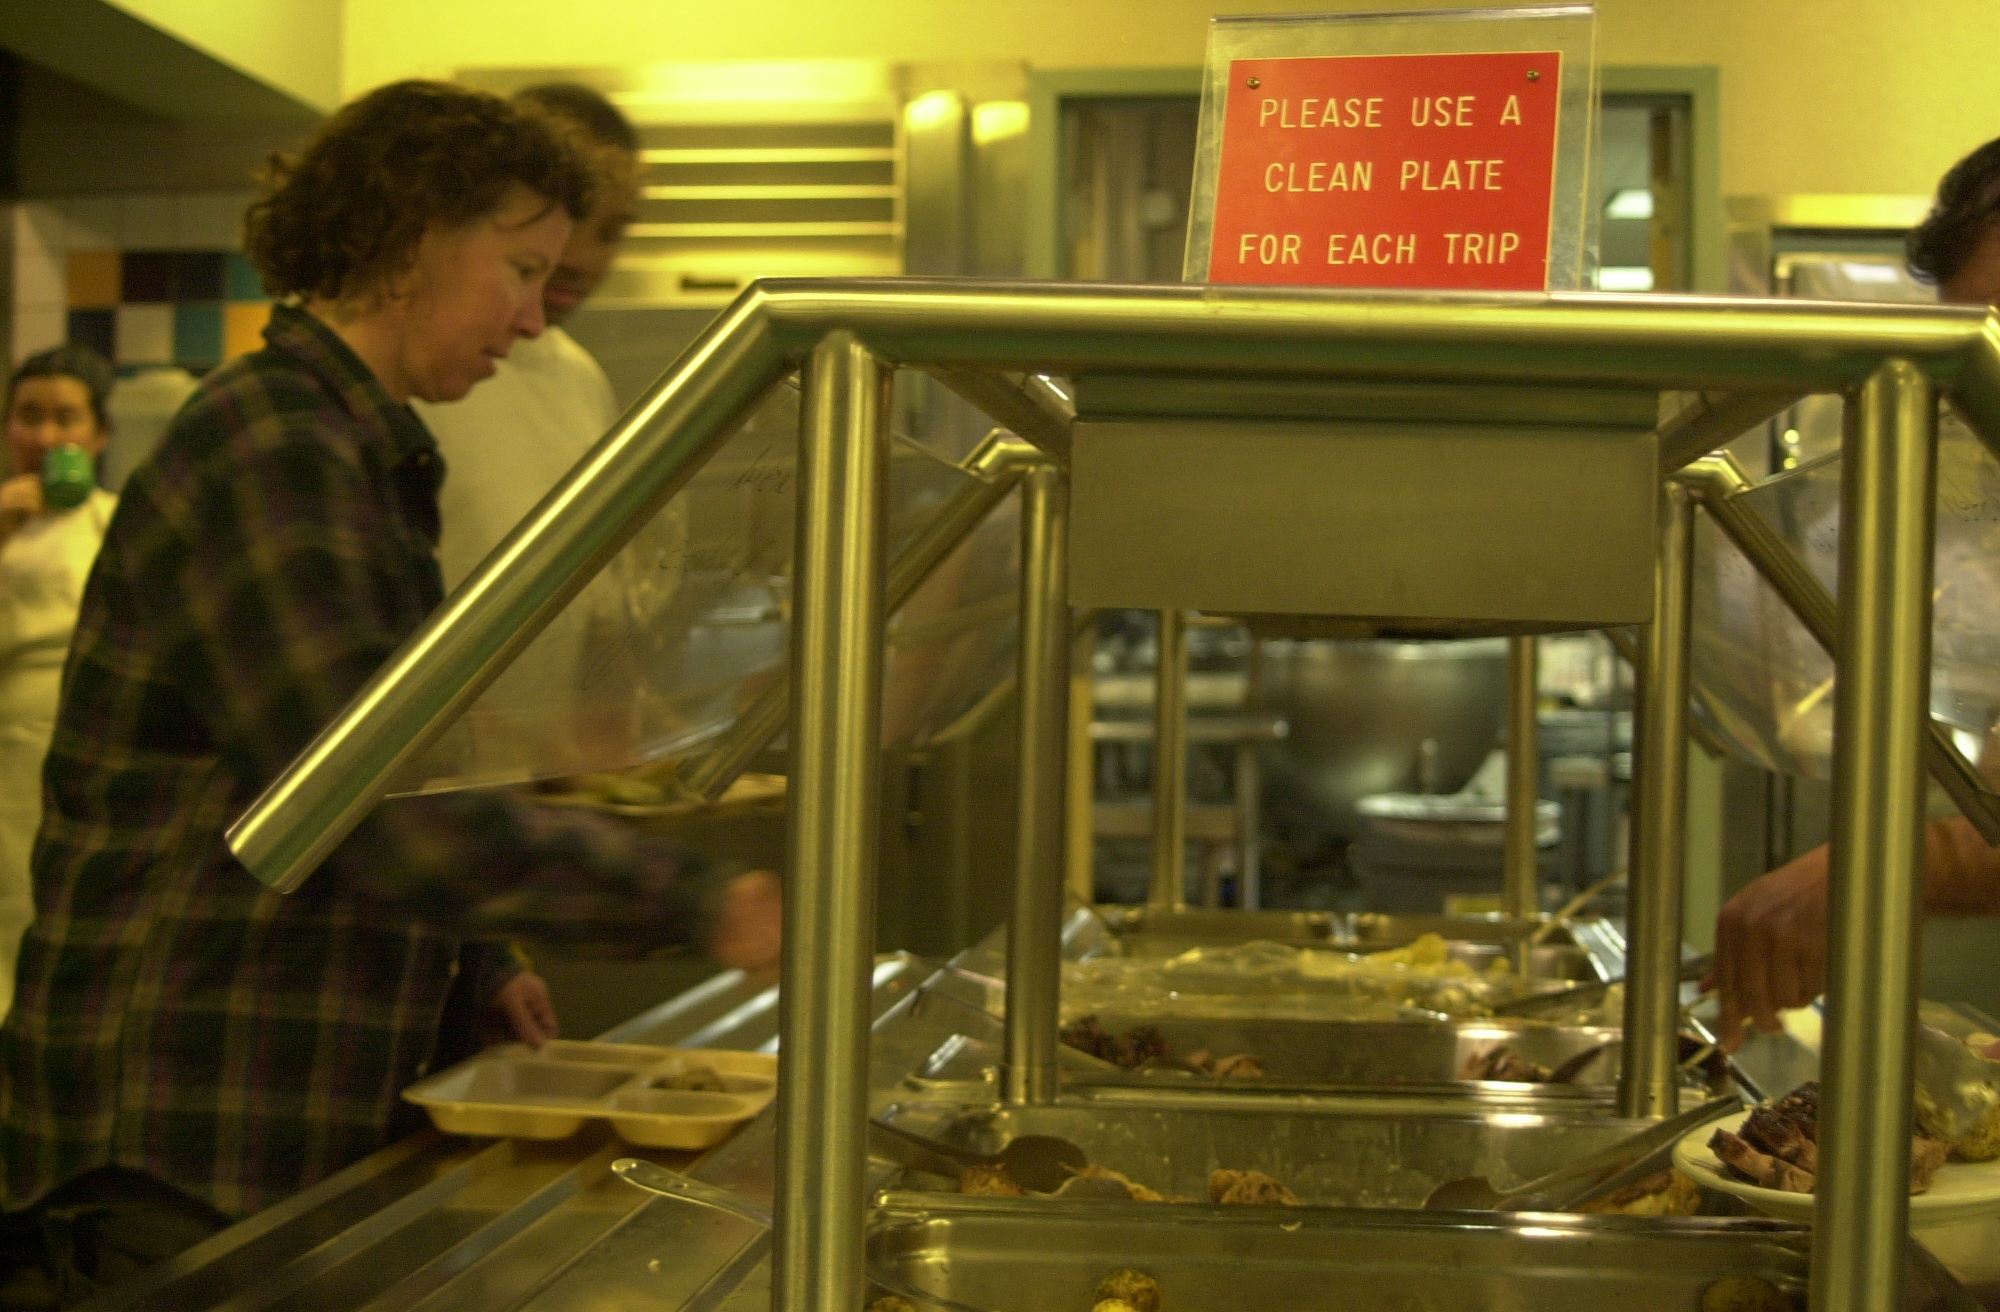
(187, 1046)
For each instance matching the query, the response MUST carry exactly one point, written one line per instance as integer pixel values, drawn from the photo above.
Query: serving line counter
(1412, 464)
(449, 1224)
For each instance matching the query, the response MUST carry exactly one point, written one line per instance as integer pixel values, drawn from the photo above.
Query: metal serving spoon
(1554, 1191)
(1040, 1162)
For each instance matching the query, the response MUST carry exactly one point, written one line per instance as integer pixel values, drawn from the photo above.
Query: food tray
(520, 1092)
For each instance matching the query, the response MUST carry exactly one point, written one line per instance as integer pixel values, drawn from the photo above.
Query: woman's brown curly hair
(346, 215)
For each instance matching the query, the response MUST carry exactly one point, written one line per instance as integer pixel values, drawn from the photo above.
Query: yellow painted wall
(293, 45)
(1818, 95)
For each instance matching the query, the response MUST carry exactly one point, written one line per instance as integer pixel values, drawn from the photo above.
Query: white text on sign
(1319, 175)
(1311, 112)
(1480, 247)
(1381, 248)
(1456, 175)
(1268, 248)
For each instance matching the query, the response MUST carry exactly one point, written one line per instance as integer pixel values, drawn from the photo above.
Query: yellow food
(891, 1303)
(992, 1181)
(1251, 1188)
(1979, 1144)
(1668, 1194)
(1744, 1294)
(1129, 1288)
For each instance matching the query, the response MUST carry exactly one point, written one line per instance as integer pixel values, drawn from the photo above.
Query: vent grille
(723, 203)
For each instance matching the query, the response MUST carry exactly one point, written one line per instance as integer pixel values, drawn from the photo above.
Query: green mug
(68, 475)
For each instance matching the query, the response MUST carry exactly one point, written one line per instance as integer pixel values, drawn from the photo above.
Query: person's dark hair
(1966, 209)
(71, 361)
(348, 211)
(592, 114)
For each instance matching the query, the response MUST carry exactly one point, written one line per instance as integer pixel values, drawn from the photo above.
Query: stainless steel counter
(438, 1223)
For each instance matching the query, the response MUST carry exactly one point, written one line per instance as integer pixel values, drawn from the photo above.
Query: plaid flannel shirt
(174, 1016)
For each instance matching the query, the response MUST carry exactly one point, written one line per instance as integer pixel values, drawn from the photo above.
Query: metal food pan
(1011, 1255)
(1372, 1053)
(1332, 1150)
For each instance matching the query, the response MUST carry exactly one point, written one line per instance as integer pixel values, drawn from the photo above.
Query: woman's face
(46, 413)
(473, 290)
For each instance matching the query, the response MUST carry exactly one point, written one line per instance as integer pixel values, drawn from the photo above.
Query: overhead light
(1630, 203)
(1624, 278)
(995, 120)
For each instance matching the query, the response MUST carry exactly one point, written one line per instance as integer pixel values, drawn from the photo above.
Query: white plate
(1961, 1190)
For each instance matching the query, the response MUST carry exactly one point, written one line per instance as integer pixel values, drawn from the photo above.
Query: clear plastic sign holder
(1407, 150)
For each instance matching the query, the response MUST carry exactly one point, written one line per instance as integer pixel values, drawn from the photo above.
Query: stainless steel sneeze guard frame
(855, 331)
(1680, 343)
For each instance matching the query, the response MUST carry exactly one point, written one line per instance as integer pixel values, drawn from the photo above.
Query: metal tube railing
(1688, 343)
(1887, 506)
(837, 658)
(1169, 887)
(1520, 879)
(1034, 932)
(1649, 1080)
(995, 465)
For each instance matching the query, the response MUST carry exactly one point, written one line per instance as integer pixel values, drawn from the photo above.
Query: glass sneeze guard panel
(690, 623)
(1770, 688)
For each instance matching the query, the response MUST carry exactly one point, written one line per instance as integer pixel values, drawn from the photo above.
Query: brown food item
(1664, 1193)
(1761, 1169)
(1113, 1305)
(1502, 1063)
(699, 1079)
(1142, 1044)
(1253, 1188)
(992, 1181)
(1243, 1066)
(891, 1303)
(1744, 1294)
(1775, 1134)
(1087, 1034)
(1777, 1146)
(1926, 1155)
(1130, 1288)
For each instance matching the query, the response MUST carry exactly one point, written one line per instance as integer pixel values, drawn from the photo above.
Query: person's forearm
(1961, 871)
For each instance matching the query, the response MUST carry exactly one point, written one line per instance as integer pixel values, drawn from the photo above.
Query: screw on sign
(1388, 171)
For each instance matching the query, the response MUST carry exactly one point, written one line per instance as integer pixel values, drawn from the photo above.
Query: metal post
(1648, 1085)
(1521, 885)
(837, 645)
(1170, 766)
(1886, 509)
(1250, 795)
(1034, 935)
(1080, 819)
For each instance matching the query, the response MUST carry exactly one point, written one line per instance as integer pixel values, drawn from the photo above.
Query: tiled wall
(147, 279)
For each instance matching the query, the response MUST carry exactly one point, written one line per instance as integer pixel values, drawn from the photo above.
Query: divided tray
(521, 1092)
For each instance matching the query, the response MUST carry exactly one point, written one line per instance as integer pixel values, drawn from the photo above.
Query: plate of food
(1768, 1156)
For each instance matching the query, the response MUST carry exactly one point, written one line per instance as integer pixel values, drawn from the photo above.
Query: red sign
(1388, 171)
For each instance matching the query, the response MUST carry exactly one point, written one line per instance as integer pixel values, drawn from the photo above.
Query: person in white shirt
(514, 437)
(55, 400)
(516, 434)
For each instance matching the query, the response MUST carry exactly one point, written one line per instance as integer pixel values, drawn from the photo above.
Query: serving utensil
(1042, 1163)
(1556, 1191)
